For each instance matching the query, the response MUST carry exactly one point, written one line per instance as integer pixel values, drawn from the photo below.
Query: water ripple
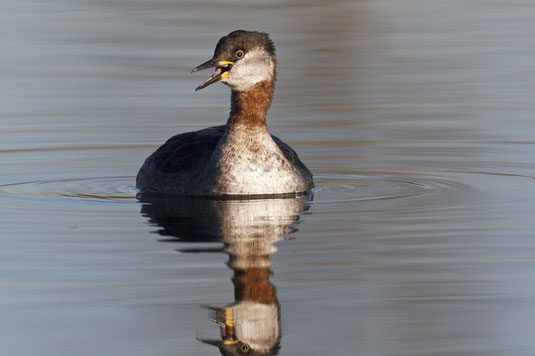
(331, 188)
(115, 188)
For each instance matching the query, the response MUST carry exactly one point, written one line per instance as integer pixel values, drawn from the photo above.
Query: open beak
(223, 317)
(221, 72)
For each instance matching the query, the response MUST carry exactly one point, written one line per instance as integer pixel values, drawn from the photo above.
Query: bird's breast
(252, 166)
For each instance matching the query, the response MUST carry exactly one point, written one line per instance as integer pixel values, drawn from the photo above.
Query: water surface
(415, 117)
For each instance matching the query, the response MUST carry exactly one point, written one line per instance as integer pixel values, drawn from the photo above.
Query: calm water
(416, 118)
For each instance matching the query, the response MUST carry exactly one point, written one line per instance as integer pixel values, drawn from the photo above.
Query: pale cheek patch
(256, 66)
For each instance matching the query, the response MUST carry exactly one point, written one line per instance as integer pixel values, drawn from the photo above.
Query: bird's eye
(239, 54)
(245, 348)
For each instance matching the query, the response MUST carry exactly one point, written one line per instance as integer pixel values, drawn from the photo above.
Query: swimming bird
(240, 158)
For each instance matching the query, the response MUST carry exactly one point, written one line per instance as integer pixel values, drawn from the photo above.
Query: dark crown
(245, 41)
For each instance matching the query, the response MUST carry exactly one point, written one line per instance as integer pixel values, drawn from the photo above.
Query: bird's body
(240, 158)
(214, 162)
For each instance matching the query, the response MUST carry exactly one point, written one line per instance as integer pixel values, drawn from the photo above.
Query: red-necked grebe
(241, 157)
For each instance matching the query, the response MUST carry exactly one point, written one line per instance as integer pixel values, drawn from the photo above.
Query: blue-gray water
(416, 118)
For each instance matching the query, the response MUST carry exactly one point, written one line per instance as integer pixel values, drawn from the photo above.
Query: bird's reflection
(248, 229)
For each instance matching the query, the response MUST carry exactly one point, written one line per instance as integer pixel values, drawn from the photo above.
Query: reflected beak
(210, 342)
(223, 317)
(221, 72)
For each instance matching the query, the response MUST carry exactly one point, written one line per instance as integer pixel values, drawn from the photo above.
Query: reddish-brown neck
(253, 285)
(248, 108)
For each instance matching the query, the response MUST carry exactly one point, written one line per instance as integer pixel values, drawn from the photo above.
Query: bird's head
(242, 59)
(255, 333)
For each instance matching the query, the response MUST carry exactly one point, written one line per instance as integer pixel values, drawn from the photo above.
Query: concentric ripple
(118, 188)
(331, 188)
(334, 188)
